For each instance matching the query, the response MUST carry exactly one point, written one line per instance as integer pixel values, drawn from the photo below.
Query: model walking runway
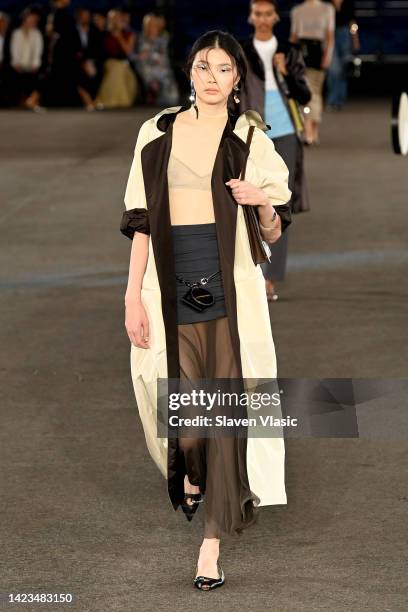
(196, 304)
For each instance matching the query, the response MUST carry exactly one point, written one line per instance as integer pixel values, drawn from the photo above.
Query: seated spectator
(119, 84)
(4, 24)
(153, 64)
(90, 57)
(99, 21)
(26, 49)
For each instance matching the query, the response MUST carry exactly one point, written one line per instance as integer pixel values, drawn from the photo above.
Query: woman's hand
(137, 324)
(326, 60)
(246, 193)
(279, 61)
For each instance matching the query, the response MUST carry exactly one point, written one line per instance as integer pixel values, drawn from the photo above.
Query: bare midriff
(195, 144)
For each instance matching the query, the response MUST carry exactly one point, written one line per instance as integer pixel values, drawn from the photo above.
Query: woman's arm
(270, 223)
(271, 229)
(268, 189)
(135, 225)
(127, 44)
(329, 38)
(137, 267)
(294, 35)
(272, 179)
(15, 49)
(136, 319)
(328, 49)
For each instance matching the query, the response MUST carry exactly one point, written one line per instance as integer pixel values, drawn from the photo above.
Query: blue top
(277, 115)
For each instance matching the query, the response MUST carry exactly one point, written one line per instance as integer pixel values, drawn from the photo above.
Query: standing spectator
(60, 84)
(153, 64)
(119, 85)
(275, 84)
(90, 57)
(4, 25)
(312, 25)
(26, 49)
(345, 43)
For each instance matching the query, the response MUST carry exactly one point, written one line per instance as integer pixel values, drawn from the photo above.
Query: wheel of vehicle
(399, 124)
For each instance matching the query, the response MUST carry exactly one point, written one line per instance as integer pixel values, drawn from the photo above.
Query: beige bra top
(194, 148)
(181, 176)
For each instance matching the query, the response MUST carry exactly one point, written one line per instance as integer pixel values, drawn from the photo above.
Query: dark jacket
(294, 85)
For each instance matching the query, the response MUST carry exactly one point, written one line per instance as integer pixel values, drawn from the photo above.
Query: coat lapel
(229, 162)
(253, 58)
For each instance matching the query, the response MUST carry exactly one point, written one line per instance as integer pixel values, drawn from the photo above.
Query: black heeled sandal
(207, 584)
(190, 509)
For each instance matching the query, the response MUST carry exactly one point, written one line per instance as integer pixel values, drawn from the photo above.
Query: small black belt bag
(198, 297)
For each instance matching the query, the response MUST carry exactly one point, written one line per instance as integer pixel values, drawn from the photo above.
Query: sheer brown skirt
(216, 464)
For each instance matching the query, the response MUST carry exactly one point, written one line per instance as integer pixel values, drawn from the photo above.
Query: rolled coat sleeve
(272, 175)
(136, 218)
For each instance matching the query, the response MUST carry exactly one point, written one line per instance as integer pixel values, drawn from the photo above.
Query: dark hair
(30, 10)
(217, 39)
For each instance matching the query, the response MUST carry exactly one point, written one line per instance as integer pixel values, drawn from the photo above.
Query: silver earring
(192, 96)
(236, 99)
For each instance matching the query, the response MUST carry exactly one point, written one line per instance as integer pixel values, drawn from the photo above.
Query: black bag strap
(248, 142)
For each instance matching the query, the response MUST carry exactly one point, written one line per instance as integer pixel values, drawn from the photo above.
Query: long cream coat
(265, 169)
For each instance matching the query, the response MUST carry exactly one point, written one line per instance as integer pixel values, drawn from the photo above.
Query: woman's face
(31, 21)
(152, 27)
(214, 74)
(99, 21)
(263, 17)
(115, 21)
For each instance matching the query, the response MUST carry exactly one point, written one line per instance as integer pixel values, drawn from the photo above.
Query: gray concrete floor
(84, 509)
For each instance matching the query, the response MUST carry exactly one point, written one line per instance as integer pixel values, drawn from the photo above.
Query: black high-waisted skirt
(196, 255)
